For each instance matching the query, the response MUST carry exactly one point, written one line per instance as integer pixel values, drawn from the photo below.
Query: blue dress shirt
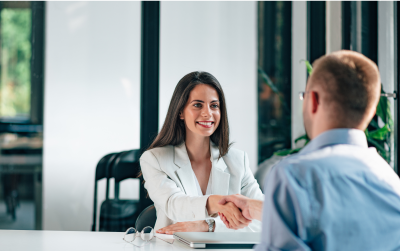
(335, 194)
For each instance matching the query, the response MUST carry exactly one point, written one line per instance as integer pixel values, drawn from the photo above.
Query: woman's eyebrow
(201, 101)
(197, 100)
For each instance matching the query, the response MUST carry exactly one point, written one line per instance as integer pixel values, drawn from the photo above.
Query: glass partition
(274, 78)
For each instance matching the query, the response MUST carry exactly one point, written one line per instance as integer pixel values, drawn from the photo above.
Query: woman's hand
(222, 217)
(224, 220)
(187, 226)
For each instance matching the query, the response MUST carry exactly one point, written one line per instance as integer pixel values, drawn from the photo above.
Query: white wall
(220, 38)
(386, 56)
(299, 72)
(92, 90)
(333, 26)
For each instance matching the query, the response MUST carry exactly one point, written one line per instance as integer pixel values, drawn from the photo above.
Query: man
(336, 193)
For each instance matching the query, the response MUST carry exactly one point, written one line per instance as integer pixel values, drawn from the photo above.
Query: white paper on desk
(166, 237)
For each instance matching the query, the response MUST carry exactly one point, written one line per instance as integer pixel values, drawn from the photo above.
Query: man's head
(342, 92)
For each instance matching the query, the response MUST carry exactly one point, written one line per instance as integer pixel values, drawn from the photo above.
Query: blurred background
(80, 80)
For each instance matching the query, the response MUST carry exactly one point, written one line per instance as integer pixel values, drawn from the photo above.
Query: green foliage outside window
(15, 63)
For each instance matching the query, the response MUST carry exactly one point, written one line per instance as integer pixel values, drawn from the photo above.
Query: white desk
(20, 240)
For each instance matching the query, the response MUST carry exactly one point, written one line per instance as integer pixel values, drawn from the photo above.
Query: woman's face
(201, 113)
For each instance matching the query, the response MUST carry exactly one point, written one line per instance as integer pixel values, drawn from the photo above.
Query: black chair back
(103, 170)
(146, 218)
(126, 166)
(118, 215)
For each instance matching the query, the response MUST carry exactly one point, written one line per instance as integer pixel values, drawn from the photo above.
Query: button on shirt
(335, 194)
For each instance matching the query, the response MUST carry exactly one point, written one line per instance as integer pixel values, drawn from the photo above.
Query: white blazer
(170, 182)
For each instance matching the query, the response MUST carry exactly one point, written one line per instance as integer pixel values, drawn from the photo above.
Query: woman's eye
(215, 106)
(198, 105)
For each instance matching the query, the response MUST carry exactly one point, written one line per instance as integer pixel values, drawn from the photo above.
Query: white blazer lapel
(220, 179)
(185, 172)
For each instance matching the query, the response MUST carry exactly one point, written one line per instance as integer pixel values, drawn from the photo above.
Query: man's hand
(229, 210)
(251, 209)
(188, 226)
(233, 216)
(241, 202)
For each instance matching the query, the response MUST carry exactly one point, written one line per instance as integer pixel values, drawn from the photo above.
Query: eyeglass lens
(130, 234)
(147, 233)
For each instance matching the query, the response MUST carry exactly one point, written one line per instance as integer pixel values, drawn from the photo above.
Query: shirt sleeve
(281, 219)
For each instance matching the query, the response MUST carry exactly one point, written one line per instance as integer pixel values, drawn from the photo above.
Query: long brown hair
(173, 131)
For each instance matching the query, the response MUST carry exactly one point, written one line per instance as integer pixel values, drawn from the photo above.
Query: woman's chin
(205, 133)
(201, 131)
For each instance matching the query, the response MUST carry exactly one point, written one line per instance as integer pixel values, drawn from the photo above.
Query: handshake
(236, 211)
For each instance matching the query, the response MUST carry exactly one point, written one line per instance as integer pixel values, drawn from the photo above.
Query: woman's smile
(206, 124)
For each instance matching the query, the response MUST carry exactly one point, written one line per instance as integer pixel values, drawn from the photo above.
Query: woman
(189, 166)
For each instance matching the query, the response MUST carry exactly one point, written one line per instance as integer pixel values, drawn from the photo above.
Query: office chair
(146, 218)
(126, 166)
(117, 215)
(102, 171)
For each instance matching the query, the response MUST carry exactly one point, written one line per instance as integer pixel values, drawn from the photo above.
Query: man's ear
(371, 114)
(373, 110)
(314, 101)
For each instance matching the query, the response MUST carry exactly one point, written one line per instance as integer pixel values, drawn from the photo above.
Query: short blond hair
(351, 81)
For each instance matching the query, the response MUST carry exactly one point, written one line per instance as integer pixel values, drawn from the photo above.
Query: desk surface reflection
(21, 240)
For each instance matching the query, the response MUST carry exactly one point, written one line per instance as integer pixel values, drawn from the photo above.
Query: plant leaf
(379, 134)
(285, 152)
(296, 150)
(389, 114)
(273, 87)
(305, 137)
(268, 81)
(309, 67)
(374, 123)
(381, 150)
(382, 108)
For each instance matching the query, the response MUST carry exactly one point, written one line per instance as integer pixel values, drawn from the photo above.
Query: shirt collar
(335, 137)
